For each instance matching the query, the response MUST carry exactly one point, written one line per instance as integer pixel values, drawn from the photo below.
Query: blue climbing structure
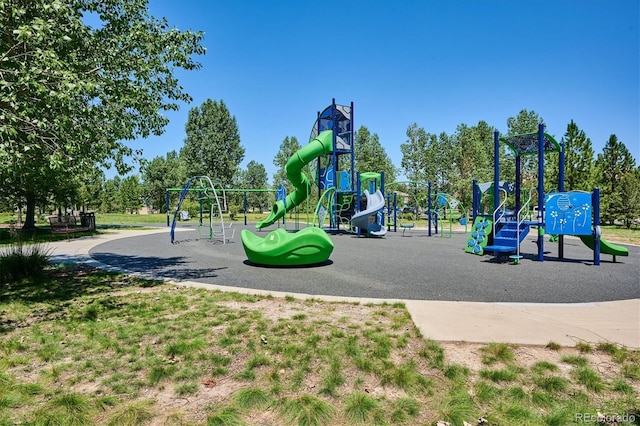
(510, 227)
(559, 213)
(333, 182)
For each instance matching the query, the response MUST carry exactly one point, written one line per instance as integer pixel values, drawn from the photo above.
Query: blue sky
(435, 63)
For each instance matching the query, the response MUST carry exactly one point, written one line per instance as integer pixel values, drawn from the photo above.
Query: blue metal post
(561, 189)
(595, 200)
(382, 190)
(435, 220)
(540, 189)
(166, 198)
(475, 203)
(353, 152)
(429, 205)
(496, 170)
(518, 182)
(334, 165)
(200, 199)
(319, 159)
(358, 188)
(561, 168)
(244, 207)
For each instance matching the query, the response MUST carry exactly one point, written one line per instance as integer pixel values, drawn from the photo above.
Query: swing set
(208, 191)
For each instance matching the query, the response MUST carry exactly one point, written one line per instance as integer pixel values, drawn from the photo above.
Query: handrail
(519, 222)
(328, 194)
(501, 206)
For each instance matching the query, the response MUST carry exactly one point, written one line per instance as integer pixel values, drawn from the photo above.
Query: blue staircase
(506, 238)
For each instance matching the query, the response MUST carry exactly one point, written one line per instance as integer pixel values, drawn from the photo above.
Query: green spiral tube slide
(321, 145)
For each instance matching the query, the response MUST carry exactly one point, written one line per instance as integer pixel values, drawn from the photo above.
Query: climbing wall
(480, 232)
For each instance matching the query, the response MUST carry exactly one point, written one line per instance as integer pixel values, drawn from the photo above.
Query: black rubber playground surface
(394, 267)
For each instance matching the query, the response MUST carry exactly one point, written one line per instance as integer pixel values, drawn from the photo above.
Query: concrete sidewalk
(520, 323)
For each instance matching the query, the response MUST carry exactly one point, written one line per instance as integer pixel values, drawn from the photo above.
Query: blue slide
(367, 220)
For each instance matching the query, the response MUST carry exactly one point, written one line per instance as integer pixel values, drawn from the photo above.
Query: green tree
(130, 194)
(109, 201)
(418, 153)
(90, 188)
(288, 147)
(162, 173)
(471, 158)
(440, 161)
(630, 194)
(414, 161)
(66, 193)
(612, 165)
(212, 146)
(255, 177)
(578, 160)
(370, 155)
(71, 93)
(524, 122)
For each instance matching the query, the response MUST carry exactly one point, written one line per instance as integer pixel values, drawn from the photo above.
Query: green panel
(365, 176)
(480, 232)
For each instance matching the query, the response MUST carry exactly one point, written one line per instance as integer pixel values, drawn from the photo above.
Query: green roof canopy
(365, 176)
(527, 143)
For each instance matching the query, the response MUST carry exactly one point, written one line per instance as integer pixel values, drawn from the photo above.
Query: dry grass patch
(89, 347)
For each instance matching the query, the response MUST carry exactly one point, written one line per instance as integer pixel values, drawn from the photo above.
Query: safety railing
(500, 212)
(520, 218)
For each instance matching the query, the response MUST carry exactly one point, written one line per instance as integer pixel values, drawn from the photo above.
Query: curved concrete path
(616, 321)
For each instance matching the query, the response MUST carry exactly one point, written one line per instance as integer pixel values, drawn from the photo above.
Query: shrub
(19, 261)
(233, 211)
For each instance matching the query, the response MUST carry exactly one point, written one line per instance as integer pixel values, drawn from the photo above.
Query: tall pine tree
(578, 159)
(630, 194)
(612, 165)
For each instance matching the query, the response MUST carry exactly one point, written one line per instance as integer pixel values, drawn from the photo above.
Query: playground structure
(440, 208)
(447, 209)
(500, 232)
(280, 248)
(280, 193)
(331, 145)
(339, 185)
(307, 246)
(208, 191)
(370, 218)
(336, 187)
(558, 213)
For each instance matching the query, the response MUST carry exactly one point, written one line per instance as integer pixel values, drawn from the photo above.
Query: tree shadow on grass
(51, 294)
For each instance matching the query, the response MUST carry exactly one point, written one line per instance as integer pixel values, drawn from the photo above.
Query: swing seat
(406, 226)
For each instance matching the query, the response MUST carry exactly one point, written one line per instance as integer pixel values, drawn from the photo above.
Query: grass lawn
(82, 347)
(612, 233)
(620, 234)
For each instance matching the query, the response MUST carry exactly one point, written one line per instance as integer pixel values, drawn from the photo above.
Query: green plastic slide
(280, 248)
(321, 145)
(306, 247)
(605, 246)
